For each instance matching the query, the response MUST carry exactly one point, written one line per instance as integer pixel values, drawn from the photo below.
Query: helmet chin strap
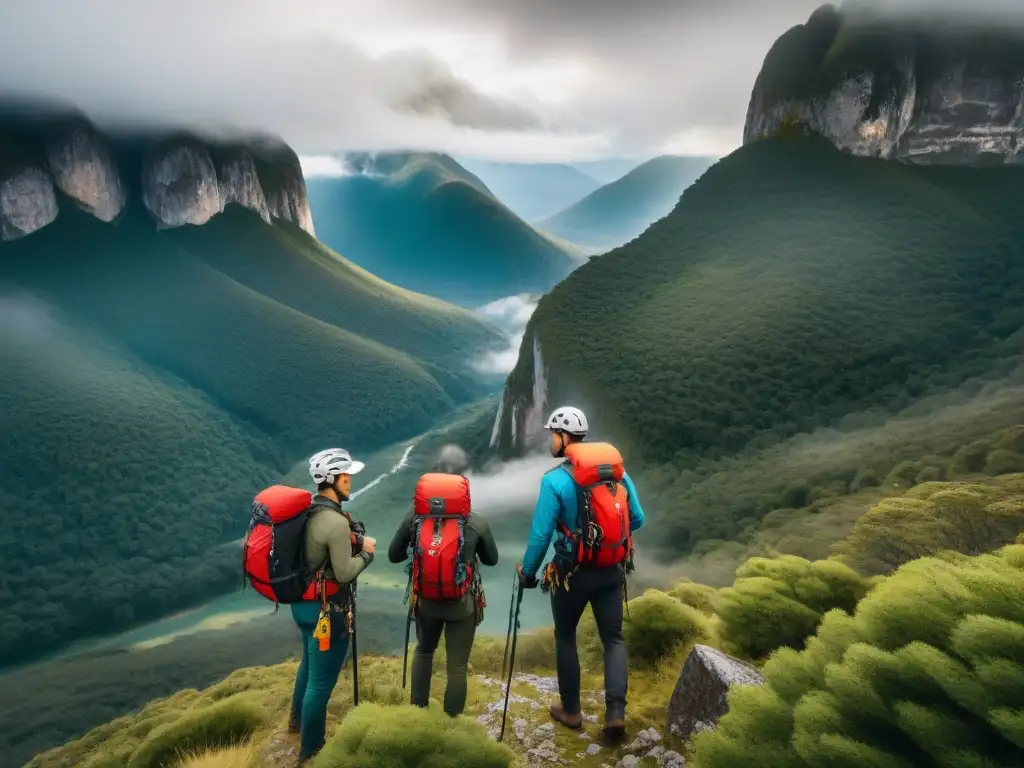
(561, 442)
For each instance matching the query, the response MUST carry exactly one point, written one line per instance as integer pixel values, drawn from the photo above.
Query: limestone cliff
(182, 179)
(283, 183)
(179, 183)
(918, 90)
(240, 182)
(83, 168)
(28, 201)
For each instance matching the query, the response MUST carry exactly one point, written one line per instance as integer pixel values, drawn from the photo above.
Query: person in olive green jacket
(328, 544)
(457, 619)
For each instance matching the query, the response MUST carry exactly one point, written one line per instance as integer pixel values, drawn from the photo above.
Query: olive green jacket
(328, 540)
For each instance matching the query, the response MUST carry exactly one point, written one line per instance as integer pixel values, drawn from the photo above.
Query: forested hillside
(794, 288)
(152, 380)
(424, 222)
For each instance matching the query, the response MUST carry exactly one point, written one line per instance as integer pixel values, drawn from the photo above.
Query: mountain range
(422, 221)
(620, 210)
(533, 191)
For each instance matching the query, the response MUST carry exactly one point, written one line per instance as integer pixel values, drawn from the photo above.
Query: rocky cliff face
(240, 183)
(83, 168)
(284, 185)
(519, 423)
(180, 185)
(183, 179)
(917, 91)
(27, 201)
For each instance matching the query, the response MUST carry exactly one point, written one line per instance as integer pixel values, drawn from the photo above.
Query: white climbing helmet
(568, 419)
(324, 467)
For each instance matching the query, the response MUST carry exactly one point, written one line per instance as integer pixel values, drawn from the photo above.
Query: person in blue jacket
(602, 588)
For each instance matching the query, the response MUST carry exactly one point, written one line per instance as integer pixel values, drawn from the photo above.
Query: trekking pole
(405, 658)
(508, 634)
(355, 653)
(511, 658)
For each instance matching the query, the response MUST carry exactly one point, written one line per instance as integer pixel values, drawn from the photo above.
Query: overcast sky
(509, 79)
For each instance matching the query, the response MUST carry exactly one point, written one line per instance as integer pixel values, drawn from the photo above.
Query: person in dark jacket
(456, 619)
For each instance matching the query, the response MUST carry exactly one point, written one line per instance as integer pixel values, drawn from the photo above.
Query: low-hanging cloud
(529, 80)
(510, 486)
(511, 315)
(330, 76)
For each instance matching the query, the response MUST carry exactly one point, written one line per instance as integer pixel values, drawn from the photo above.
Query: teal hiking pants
(317, 676)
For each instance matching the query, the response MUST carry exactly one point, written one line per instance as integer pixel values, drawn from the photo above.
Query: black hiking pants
(602, 589)
(458, 641)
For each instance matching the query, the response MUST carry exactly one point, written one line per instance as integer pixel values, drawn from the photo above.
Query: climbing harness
(514, 632)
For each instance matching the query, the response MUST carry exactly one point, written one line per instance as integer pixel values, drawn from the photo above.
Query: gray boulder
(699, 698)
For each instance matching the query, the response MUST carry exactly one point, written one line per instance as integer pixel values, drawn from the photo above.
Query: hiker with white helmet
(339, 553)
(593, 505)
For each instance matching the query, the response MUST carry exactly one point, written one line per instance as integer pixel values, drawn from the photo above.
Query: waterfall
(533, 421)
(496, 429)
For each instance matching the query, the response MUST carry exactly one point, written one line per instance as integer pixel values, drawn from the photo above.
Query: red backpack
(273, 556)
(602, 534)
(441, 506)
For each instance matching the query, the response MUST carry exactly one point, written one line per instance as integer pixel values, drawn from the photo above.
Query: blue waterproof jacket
(557, 504)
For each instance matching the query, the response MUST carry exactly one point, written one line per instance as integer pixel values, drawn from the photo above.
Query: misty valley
(399, 417)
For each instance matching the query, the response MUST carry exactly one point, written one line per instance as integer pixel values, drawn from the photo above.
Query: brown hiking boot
(565, 718)
(614, 727)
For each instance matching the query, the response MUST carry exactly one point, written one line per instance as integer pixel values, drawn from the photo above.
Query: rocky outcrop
(83, 168)
(179, 183)
(240, 183)
(28, 201)
(519, 423)
(896, 89)
(182, 179)
(699, 698)
(284, 185)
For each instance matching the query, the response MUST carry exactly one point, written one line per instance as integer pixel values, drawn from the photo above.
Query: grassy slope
(380, 682)
(433, 227)
(171, 390)
(617, 212)
(533, 190)
(791, 288)
(658, 633)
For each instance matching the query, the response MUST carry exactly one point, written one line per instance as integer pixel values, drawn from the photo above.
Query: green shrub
(1003, 462)
(929, 671)
(970, 458)
(778, 602)
(372, 736)
(227, 722)
(657, 625)
(699, 596)
(966, 518)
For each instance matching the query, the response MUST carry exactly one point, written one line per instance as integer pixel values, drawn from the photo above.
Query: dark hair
(569, 436)
(325, 485)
